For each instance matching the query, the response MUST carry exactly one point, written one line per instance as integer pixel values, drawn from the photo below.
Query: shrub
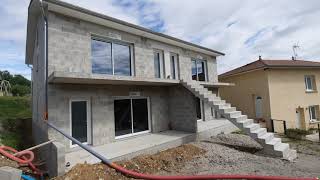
(296, 133)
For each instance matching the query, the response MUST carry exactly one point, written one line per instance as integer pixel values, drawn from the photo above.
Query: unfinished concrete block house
(106, 81)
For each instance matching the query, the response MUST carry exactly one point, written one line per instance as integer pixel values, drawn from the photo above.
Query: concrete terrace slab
(149, 143)
(130, 147)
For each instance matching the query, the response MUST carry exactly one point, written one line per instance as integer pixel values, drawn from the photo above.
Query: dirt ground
(223, 154)
(167, 161)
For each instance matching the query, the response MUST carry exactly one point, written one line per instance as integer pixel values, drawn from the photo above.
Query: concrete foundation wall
(56, 161)
(70, 49)
(182, 110)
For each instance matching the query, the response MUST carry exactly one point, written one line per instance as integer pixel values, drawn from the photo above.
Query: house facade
(284, 90)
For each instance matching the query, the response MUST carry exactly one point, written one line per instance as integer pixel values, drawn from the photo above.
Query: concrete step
(265, 138)
(233, 114)
(227, 109)
(251, 127)
(258, 132)
(282, 149)
(237, 119)
(246, 122)
(221, 106)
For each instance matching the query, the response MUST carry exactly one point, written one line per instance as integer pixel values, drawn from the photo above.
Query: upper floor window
(112, 58)
(159, 71)
(310, 83)
(313, 113)
(199, 70)
(174, 64)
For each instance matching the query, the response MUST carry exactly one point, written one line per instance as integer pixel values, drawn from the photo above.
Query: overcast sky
(241, 29)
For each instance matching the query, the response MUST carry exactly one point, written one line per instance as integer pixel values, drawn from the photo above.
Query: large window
(310, 83)
(313, 113)
(199, 70)
(112, 58)
(159, 71)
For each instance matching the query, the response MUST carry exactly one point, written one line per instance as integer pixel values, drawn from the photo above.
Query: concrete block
(10, 173)
(56, 159)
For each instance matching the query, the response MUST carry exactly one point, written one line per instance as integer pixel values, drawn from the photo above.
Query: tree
(20, 85)
(20, 90)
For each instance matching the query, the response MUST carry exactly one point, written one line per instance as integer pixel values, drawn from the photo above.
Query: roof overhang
(90, 16)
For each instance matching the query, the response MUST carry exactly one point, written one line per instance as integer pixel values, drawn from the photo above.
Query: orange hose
(23, 157)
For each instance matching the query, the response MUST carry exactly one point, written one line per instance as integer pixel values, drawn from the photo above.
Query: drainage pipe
(134, 174)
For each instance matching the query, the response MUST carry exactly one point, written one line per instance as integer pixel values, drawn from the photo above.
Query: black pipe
(86, 147)
(46, 93)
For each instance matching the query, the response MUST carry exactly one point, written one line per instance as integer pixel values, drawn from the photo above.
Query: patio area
(149, 143)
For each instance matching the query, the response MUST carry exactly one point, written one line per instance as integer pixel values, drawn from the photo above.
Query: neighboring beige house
(276, 89)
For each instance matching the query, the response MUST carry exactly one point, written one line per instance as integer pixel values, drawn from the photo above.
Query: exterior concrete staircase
(271, 145)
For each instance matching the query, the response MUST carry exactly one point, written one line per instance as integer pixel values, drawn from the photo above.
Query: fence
(284, 125)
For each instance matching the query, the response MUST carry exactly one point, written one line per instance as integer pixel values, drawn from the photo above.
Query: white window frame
(311, 78)
(149, 116)
(176, 66)
(112, 42)
(205, 68)
(89, 122)
(312, 119)
(161, 63)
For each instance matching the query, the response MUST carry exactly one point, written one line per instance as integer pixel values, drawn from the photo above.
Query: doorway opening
(258, 107)
(199, 109)
(80, 122)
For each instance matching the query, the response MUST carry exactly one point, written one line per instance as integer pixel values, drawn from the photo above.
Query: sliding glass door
(199, 70)
(131, 116)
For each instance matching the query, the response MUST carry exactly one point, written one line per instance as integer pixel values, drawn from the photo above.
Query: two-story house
(102, 80)
(282, 90)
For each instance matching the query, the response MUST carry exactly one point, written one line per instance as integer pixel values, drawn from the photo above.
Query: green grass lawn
(14, 112)
(15, 107)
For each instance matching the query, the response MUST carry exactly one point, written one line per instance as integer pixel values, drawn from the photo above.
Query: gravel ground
(221, 158)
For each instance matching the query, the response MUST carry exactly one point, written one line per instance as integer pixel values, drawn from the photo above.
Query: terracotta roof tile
(272, 64)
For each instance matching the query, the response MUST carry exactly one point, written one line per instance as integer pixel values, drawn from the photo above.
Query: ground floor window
(313, 113)
(80, 120)
(131, 116)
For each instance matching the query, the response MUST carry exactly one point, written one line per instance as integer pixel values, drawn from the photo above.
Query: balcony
(59, 77)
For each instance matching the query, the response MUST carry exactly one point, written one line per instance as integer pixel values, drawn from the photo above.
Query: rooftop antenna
(295, 47)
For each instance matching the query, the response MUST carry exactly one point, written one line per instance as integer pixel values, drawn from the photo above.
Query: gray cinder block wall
(101, 98)
(182, 110)
(70, 49)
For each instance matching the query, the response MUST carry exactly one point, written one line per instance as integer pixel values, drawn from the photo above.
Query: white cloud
(241, 29)
(227, 25)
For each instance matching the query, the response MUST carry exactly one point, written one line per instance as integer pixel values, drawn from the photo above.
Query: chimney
(260, 58)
